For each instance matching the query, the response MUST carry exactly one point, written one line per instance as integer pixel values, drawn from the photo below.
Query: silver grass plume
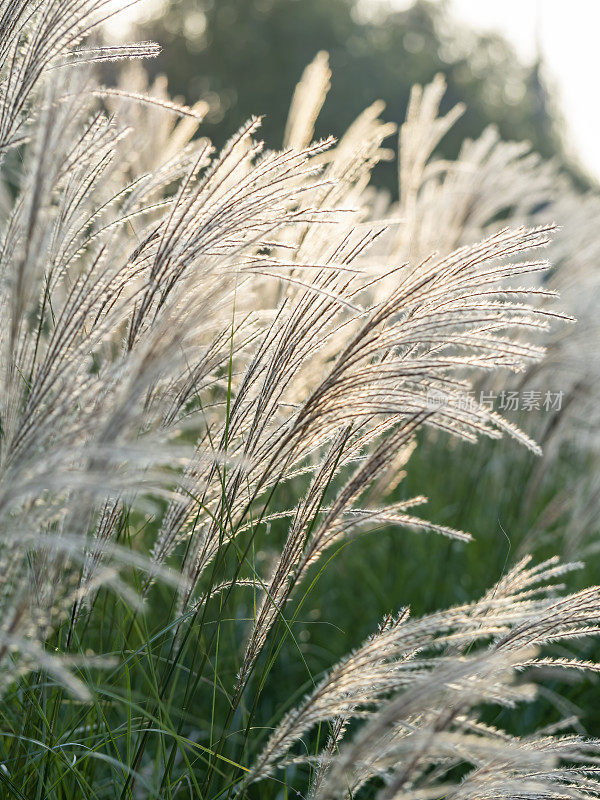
(418, 685)
(268, 306)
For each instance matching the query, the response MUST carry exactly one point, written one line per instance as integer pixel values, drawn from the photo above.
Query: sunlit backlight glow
(128, 13)
(565, 35)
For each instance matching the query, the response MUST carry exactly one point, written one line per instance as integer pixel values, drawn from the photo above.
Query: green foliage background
(245, 56)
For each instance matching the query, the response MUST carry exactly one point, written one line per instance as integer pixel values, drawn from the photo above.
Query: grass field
(216, 421)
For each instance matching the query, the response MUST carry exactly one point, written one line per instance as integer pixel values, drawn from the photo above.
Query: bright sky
(569, 35)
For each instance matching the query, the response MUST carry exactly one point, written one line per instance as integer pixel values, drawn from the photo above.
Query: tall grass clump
(214, 369)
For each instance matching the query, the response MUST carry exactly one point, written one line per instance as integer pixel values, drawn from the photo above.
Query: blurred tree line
(245, 57)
